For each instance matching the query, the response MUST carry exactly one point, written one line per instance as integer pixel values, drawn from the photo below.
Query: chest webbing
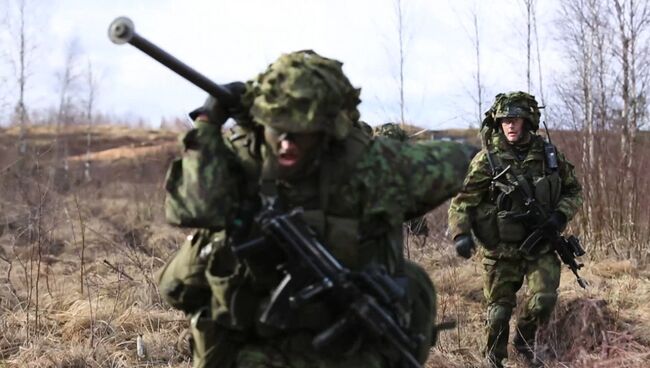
(508, 178)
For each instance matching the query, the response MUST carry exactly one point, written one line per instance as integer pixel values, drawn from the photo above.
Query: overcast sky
(234, 40)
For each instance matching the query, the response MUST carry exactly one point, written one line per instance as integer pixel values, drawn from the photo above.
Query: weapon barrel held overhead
(121, 31)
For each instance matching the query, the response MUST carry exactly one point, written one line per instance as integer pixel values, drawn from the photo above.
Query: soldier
(391, 130)
(490, 207)
(298, 143)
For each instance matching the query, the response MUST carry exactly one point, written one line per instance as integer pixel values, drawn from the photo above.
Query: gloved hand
(215, 111)
(556, 222)
(464, 245)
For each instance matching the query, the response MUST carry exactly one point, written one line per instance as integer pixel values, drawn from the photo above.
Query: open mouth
(288, 158)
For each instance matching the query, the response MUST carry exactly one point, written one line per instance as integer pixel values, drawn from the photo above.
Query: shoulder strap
(269, 183)
(490, 158)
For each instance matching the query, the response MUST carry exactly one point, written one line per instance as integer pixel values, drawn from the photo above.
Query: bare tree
(607, 44)
(539, 58)
(632, 20)
(91, 88)
(474, 36)
(21, 54)
(477, 49)
(581, 26)
(529, 10)
(598, 149)
(399, 10)
(22, 79)
(68, 79)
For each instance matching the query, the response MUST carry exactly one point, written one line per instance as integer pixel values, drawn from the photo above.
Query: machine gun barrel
(122, 31)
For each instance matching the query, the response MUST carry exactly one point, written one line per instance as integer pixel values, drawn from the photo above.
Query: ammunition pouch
(484, 225)
(182, 280)
(511, 229)
(547, 190)
(234, 301)
(341, 234)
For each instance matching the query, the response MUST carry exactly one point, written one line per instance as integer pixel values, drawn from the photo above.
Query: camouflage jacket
(475, 210)
(356, 200)
(217, 182)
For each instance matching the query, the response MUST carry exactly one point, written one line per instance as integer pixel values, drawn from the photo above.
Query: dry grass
(59, 311)
(604, 326)
(53, 315)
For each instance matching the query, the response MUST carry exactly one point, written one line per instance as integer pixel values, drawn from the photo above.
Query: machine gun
(568, 249)
(122, 31)
(368, 301)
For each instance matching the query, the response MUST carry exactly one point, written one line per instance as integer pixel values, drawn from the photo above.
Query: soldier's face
(293, 150)
(513, 128)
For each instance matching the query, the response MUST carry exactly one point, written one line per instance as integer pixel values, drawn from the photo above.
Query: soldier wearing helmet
(489, 209)
(298, 143)
(392, 131)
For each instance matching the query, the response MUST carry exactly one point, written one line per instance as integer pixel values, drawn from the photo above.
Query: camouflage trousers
(502, 279)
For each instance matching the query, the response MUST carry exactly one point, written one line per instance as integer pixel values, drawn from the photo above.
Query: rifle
(122, 30)
(568, 249)
(369, 299)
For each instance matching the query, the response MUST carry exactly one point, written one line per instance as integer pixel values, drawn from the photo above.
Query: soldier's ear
(527, 125)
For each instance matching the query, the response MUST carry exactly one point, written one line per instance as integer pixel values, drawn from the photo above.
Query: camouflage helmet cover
(303, 92)
(391, 130)
(514, 105)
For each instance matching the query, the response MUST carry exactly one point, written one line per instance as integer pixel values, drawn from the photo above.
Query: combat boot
(498, 330)
(526, 348)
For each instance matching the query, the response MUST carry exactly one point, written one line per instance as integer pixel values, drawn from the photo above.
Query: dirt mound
(118, 153)
(588, 331)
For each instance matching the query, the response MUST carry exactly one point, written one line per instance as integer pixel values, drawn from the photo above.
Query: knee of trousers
(499, 314)
(541, 305)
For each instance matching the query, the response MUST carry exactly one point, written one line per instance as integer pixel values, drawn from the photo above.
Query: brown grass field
(78, 259)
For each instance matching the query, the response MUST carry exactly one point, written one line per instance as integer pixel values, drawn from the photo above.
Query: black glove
(555, 222)
(464, 245)
(216, 112)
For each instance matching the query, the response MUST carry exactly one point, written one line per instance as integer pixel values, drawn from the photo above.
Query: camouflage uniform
(487, 212)
(355, 196)
(392, 131)
(416, 226)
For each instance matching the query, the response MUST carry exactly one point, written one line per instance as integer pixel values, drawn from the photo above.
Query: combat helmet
(303, 92)
(513, 105)
(391, 130)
